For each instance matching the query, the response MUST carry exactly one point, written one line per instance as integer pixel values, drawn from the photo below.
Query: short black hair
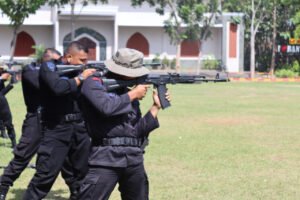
(52, 50)
(75, 45)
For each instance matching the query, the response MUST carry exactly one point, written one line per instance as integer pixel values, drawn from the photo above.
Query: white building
(106, 28)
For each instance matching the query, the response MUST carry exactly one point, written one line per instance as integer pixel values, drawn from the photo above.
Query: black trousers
(24, 151)
(27, 147)
(6, 117)
(60, 141)
(100, 182)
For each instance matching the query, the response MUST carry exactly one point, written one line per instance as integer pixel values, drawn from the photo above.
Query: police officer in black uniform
(5, 113)
(31, 131)
(64, 132)
(117, 130)
(30, 137)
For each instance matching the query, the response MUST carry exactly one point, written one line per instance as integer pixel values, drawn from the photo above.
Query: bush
(296, 67)
(210, 63)
(156, 59)
(285, 73)
(173, 63)
(165, 63)
(39, 52)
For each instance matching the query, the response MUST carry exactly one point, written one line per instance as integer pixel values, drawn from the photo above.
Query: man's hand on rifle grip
(139, 92)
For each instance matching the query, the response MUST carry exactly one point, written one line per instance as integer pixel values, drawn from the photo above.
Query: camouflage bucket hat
(3, 66)
(127, 62)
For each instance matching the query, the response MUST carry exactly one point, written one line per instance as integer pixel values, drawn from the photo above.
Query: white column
(56, 29)
(116, 35)
(56, 36)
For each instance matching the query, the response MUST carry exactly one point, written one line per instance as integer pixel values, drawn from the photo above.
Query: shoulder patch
(51, 66)
(98, 79)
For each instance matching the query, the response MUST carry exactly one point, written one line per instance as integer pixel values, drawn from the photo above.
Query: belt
(62, 118)
(71, 117)
(119, 141)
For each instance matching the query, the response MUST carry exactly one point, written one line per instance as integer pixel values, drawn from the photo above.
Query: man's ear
(69, 58)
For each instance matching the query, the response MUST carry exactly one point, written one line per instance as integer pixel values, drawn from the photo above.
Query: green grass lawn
(217, 141)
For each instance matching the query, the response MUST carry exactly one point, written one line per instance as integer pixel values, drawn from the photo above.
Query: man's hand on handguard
(139, 92)
(5, 76)
(86, 73)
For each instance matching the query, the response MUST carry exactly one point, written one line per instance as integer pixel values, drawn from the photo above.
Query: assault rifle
(64, 70)
(13, 74)
(99, 66)
(13, 78)
(159, 81)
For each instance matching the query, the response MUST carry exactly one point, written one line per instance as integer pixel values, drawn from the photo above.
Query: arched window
(24, 45)
(91, 45)
(190, 48)
(93, 34)
(139, 42)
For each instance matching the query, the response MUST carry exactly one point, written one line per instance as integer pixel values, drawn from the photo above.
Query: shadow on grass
(53, 195)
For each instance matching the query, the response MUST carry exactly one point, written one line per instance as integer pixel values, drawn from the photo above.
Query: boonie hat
(127, 62)
(3, 66)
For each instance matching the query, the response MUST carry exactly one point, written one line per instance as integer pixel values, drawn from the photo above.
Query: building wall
(44, 13)
(40, 34)
(156, 37)
(160, 43)
(125, 6)
(213, 45)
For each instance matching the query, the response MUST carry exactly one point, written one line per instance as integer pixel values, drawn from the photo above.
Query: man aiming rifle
(112, 83)
(5, 113)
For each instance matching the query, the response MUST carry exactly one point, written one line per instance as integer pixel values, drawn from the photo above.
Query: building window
(24, 45)
(232, 40)
(139, 42)
(90, 45)
(190, 48)
(92, 33)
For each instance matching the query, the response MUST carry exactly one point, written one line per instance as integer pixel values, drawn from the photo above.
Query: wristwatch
(80, 77)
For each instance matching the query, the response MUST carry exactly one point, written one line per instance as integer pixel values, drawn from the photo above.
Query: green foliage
(188, 12)
(165, 62)
(210, 63)
(39, 51)
(296, 21)
(285, 73)
(84, 2)
(156, 59)
(285, 10)
(288, 68)
(296, 67)
(173, 63)
(18, 11)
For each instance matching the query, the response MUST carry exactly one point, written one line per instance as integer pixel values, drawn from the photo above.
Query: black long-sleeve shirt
(2, 85)
(110, 115)
(31, 87)
(58, 94)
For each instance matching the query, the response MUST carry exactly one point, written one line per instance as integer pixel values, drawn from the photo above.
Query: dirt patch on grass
(233, 121)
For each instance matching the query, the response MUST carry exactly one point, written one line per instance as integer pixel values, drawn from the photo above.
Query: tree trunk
(178, 53)
(13, 44)
(272, 69)
(252, 54)
(252, 43)
(73, 20)
(199, 59)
